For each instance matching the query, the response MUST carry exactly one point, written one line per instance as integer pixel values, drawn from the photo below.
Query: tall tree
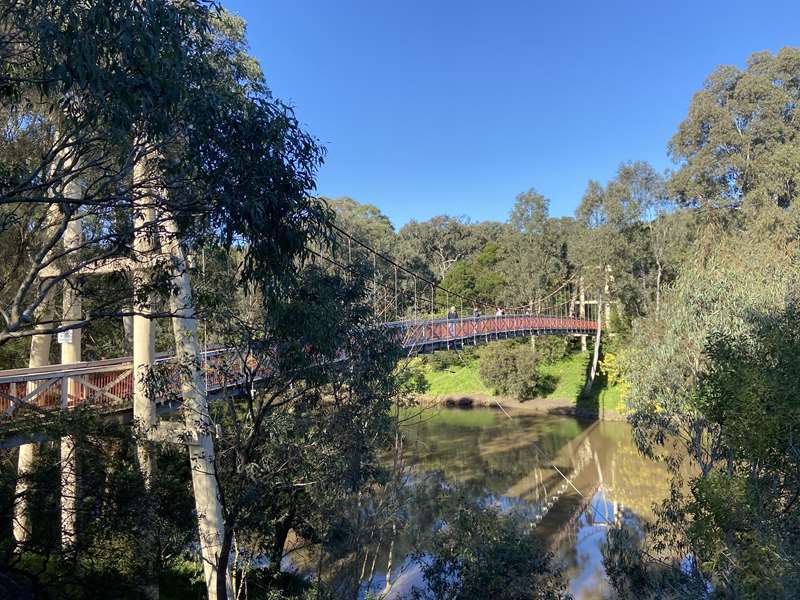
(739, 145)
(438, 243)
(629, 238)
(532, 264)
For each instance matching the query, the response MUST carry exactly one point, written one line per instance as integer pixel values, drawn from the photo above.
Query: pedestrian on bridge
(452, 315)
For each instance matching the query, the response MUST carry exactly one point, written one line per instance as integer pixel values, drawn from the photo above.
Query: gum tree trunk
(144, 354)
(144, 410)
(195, 410)
(590, 382)
(606, 294)
(70, 353)
(582, 309)
(39, 357)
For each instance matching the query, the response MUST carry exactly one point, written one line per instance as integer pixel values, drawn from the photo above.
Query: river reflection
(571, 479)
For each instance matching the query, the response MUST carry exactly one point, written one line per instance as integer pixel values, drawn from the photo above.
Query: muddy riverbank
(548, 406)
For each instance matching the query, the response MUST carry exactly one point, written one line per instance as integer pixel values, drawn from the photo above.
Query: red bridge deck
(109, 383)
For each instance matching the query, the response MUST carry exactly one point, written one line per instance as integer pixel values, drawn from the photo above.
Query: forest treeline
(147, 172)
(623, 246)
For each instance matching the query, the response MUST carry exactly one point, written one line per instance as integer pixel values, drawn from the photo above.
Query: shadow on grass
(546, 385)
(590, 402)
(587, 403)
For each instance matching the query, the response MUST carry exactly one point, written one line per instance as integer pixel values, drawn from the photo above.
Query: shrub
(510, 369)
(443, 360)
(483, 553)
(551, 348)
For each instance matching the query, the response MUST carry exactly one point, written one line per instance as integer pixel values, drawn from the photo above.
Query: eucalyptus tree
(630, 238)
(303, 442)
(115, 109)
(365, 222)
(709, 379)
(738, 146)
(168, 84)
(533, 261)
(476, 279)
(438, 243)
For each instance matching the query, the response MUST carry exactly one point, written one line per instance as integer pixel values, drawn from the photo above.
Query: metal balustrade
(108, 384)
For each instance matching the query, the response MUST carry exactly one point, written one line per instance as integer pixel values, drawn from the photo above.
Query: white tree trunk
(70, 353)
(39, 357)
(127, 330)
(582, 309)
(606, 295)
(144, 350)
(195, 411)
(144, 356)
(593, 372)
(572, 300)
(658, 287)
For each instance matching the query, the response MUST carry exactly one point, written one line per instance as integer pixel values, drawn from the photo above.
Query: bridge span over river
(108, 385)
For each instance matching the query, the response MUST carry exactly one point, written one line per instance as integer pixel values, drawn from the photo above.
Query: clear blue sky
(445, 106)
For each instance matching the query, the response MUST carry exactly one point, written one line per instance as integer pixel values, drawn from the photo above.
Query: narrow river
(573, 479)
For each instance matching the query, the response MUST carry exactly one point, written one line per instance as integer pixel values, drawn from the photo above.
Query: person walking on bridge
(452, 315)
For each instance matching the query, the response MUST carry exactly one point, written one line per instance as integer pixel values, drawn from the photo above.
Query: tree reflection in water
(570, 480)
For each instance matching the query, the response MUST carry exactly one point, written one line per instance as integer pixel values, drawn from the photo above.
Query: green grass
(564, 380)
(462, 379)
(610, 398)
(603, 397)
(569, 375)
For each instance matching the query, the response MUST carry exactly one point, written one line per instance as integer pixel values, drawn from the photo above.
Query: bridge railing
(108, 384)
(435, 332)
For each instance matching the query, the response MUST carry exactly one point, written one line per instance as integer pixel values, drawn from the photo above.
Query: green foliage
(181, 577)
(629, 563)
(313, 420)
(739, 144)
(667, 358)
(714, 372)
(366, 223)
(115, 517)
(479, 552)
(745, 518)
(611, 368)
(715, 375)
(14, 355)
(510, 369)
(629, 240)
(563, 380)
(534, 261)
(476, 278)
(438, 244)
(99, 87)
(444, 359)
(551, 348)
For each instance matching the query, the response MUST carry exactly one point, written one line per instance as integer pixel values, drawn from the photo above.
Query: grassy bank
(562, 380)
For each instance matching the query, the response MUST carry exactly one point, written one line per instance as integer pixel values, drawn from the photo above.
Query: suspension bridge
(405, 304)
(108, 385)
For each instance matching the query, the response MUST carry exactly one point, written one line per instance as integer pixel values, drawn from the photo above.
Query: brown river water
(574, 480)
